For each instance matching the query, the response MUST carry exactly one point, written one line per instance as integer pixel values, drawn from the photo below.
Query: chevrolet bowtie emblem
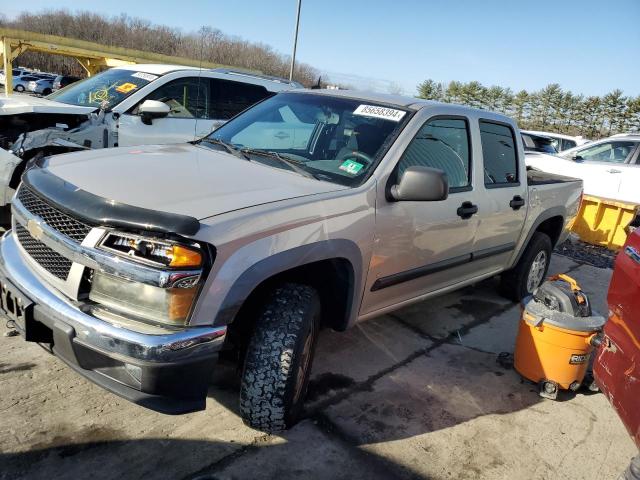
(34, 229)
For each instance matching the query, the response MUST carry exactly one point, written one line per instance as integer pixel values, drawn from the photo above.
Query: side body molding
(292, 258)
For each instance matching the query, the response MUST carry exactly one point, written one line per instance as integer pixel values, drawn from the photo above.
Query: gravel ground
(585, 253)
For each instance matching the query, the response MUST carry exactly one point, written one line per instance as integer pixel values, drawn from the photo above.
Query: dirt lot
(416, 394)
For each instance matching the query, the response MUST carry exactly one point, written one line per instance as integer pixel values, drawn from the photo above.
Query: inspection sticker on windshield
(144, 76)
(351, 167)
(379, 112)
(126, 87)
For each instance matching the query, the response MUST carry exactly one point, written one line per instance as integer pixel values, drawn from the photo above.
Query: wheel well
(332, 278)
(552, 227)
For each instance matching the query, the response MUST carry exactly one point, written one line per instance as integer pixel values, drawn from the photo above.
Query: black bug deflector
(97, 210)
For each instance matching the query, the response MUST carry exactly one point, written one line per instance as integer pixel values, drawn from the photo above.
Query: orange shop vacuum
(557, 334)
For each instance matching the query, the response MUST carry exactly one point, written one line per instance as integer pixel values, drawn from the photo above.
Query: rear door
(188, 98)
(502, 194)
(629, 190)
(422, 247)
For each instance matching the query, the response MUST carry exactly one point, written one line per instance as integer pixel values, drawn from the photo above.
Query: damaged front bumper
(167, 372)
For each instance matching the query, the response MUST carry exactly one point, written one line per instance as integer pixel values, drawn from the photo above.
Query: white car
(43, 86)
(610, 168)
(16, 72)
(21, 84)
(561, 142)
(128, 105)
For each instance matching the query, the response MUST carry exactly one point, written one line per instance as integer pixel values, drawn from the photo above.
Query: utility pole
(295, 41)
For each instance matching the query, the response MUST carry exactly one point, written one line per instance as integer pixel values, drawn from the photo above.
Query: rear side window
(230, 98)
(499, 154)
(441, 143)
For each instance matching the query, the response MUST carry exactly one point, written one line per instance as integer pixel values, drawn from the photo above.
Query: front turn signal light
(184, 257)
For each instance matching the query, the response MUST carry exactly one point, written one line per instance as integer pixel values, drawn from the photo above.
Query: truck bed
(538, 177)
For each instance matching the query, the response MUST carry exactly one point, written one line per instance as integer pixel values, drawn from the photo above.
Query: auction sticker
(144, 76)
(351, 167)
(126, 87)
(379, 112)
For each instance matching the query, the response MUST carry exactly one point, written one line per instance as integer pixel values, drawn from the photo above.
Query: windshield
(106, 89)
(330, 138)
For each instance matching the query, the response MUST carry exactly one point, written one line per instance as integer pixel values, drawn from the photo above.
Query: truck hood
(183, 179)
(18, 104)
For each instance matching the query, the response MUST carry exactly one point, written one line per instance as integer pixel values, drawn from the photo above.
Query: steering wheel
(357, 154)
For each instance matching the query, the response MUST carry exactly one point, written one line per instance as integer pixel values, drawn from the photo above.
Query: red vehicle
(617, 363)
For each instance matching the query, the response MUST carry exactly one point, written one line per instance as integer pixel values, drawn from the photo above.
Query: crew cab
(128, 105)
(141, 265)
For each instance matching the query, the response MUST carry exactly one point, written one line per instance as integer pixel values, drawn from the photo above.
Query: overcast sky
(586, 46)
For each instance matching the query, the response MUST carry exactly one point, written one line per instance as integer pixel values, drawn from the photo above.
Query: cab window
(441, 143)
(499, 154)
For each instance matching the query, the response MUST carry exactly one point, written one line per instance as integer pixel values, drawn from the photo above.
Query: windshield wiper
(293, 164)
(233, 150)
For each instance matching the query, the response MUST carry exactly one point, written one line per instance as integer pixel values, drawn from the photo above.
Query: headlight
(169, 304)
(165, 305)
(154, 251)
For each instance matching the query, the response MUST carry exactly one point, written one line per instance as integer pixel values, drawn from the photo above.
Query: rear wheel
(279, 357)
(530, 271)
(46, 91)
(19, 88)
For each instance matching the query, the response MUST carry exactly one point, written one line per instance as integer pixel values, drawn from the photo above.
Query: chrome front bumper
(167, 363)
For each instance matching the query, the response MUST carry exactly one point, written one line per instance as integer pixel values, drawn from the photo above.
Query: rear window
(499, 154)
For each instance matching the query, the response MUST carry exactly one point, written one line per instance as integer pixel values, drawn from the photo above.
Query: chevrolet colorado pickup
(141, 265)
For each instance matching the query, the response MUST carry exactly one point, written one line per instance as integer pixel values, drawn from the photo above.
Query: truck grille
(53, 217)
(51, 261)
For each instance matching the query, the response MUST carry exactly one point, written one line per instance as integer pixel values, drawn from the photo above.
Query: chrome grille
(51, 261)
(53, 217)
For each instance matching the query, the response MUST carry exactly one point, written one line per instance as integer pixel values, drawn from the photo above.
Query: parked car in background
(313, 208)
(16, 72)
(62, 81)
(617, 362)
(128, 105)
(537, 143)
(610, 168)
(44, 86)
(560, 141)
(20, 84)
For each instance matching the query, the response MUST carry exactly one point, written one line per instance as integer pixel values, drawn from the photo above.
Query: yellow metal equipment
(93, 57)
(553, 346)
(603, 222)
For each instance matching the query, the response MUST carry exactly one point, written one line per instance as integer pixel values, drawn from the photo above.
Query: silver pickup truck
(142, 265)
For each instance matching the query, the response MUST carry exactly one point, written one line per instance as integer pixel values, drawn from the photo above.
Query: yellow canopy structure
(92, 56)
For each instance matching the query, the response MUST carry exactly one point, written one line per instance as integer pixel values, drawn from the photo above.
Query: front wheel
(530, 271)
(279, 357)
(19, 88)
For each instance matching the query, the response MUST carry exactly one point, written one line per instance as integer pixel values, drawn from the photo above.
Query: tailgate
(617, 367)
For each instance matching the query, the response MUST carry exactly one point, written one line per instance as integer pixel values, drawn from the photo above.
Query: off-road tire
(274, 358)
(513, 283)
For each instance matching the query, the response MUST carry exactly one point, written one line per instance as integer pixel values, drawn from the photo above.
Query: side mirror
(424, 184)
(577, 158)
(151, 109)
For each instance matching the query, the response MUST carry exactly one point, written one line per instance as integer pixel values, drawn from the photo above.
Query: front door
(421, 247)
(188, 99)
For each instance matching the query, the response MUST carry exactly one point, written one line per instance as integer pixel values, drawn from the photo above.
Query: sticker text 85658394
(379, 112)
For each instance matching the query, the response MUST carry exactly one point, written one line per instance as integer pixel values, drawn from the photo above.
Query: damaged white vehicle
(128, 105)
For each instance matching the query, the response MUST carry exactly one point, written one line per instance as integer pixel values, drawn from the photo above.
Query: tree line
(208, 44)
(549, 109)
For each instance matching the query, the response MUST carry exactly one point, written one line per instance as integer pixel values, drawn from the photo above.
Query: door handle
(467, 210)
(632, 253)
(516, 202)
(613, 170)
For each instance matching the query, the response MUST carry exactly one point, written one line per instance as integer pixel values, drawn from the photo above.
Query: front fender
(287, 260)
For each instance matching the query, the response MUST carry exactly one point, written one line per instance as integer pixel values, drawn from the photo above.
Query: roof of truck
(403, 101)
